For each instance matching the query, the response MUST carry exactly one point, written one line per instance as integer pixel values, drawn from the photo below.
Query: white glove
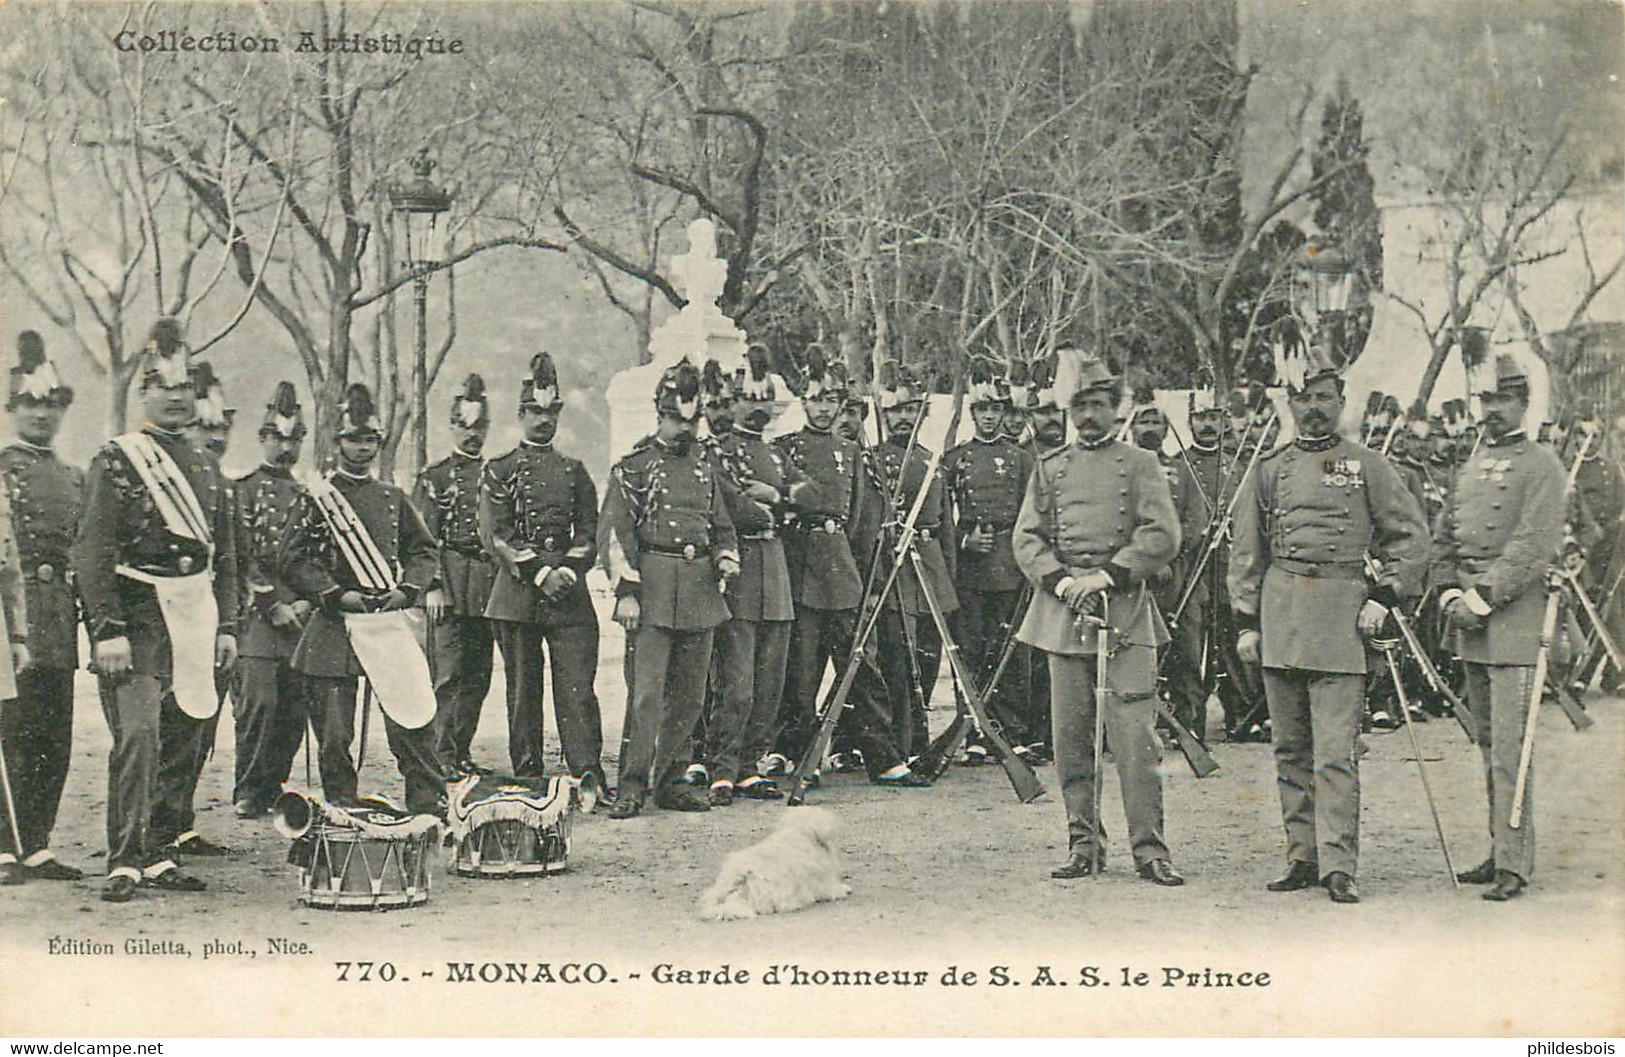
(1370, 620)
(628, 612)
(1249, 646)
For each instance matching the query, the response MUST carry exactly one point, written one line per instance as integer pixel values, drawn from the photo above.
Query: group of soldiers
(1095, 585)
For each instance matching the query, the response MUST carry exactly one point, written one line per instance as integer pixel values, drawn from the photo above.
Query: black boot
(1299, 875)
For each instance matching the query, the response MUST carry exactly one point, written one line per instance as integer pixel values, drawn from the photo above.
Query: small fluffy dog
(794, 867)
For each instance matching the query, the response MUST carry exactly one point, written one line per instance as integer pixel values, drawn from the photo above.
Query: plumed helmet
(715, 386)
(469, 406)
(283, 416)
(212, 410)
(35, 379)
(358, 414)
(678, 391)
(541, 388)
(166, 359)
(756, 383)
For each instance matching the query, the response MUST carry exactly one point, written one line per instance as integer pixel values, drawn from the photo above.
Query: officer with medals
(156, 525)
(1500, 540)
(270, 698)
(539, 516)
(1305, 521)
(826, 585)
(985, 478)
(36, 729)
(910, 647)
(460, 637)
(1096, 524)
(355, 545)
(753, 645)
(672, 548)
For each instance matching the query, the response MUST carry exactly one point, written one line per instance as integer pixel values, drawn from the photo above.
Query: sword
(1537, 691)
(1421, 769)
(1102, 692)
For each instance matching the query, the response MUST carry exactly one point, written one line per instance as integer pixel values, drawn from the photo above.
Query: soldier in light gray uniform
(1499, 538)
(1304, 522)
(1098, 522)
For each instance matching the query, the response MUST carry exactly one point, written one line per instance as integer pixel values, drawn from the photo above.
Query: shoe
(52, 870)
(1299, 875)
(697, 775)
(1341, 887)
(1160, 871)
(848, 762)
(1381, 720)
(201, 846)
(1079, 865)
(974, 756)
(775, 764)
(119, 888)
(758, 788)
(1482, 874)
(247, 808)
(470, 767)
(722, 794)
(1041, 754)
(1418, 716)
(173, 880)
(626, 807)
(680, 798)
(906, 780)
(11, 873)
(1508, 885)
(1026, 755)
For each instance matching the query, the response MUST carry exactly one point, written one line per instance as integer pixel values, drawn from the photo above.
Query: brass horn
(294, 814)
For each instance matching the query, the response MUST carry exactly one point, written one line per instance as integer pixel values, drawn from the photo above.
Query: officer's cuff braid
(1246, 621)
(1121, 575)
(1384, 595)
(626, 589)
(1052, 580)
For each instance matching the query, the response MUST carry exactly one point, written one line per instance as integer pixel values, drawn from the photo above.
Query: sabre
(1421, 769)
(1102, 692)
(1423, 661)
(1537, 691)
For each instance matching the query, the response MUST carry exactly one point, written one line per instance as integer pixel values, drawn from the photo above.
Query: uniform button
(1342, 528)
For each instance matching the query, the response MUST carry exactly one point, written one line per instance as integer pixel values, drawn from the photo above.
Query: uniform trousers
(751, 657)
(460, 647)
(820, 637)
(668, 690)
(984, 622)
(572, 653)
(1315, 717)
(132, 705)
(904, 655)
(333, 707)
(1130, 731)
(184, 747)
(37, 732)
(271, 711)
(1498, 696)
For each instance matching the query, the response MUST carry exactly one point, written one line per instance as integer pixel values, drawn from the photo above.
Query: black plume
(888, 375)
(165, 336)
(473, 387)
(785, 366)
(1019, 372)
(711, 377)
(686, 381)
(358, 402)
(285, 401)
(30, 350)
(817, 362)
(756, 360)
(1373, 403)
(1144, 396)
(203, 378)
(542, 372)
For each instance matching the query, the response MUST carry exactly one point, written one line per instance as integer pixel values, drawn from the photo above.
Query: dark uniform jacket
(265, 497)
(818, 549)
(1104, 507)
(985, 482)
(1502, 534)
(762, 589)
(538, 510)
(886, 496)
(667, 514)
(121, 526)
(47, 497)
(448, 500)
(1304, 523)
(312, 565)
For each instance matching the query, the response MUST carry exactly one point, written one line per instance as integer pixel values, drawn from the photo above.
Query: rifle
(1421, 769)
(1423, 661)
(1604, 637)
(836, 701)
(933, 763)
(1190, 746)
(1537, 691)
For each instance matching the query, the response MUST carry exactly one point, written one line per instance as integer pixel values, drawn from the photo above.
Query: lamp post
(1325, 277)
(419, 206)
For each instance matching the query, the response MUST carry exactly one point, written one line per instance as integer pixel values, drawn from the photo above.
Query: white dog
(794, 867)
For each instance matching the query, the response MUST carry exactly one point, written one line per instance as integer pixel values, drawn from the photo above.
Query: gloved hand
(761, 492)
(282, 615)
(1373, 615)
(1249, 646)
(395, 599)
(112, 657)
(20, 657)
(301, 610)
(434, 605)
(1460, 617)
(555, 583)
(352, 602)
(225, 651)
(628, 612)
(979, 540)
(728, 567)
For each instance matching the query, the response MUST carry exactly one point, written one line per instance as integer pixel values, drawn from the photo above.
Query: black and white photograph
(800, 519)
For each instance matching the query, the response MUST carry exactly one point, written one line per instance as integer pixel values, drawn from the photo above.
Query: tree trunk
(1437, 354)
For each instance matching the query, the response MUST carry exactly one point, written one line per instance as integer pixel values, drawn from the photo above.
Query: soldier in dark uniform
(133, 544)
(907, 637)
(1597, 520)
(1097, 523)
(1304, 522)
(185, 744)
(460, 636)
(672, 545)
(37, 730)
(272, 700)
(539, 516)
(986, 477)
(315, 562)
(825, 584)
(1500, 539)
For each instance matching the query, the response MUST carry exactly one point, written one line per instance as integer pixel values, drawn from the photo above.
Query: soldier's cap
(35, 379)
(840, 381)
(470, 407)
(166, 359)
(1204, 395)
(1304, 363)
(358, 414)
(283, 416)
(541, 389)
(898, 385)
(1504, 376)
(715, 387)
(984, 382)
(212, 412)
(1093, 377)
(678, 391)
(756, 381)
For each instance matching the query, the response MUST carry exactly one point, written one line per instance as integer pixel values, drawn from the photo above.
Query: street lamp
(1326, 276)
(419, 205)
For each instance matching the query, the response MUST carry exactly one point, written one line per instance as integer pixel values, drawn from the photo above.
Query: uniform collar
(46, 451)
(276, 471)
(340, 472)
(1326, 443)
(1103, 442)
(1506, 439)
(523, 443)
(461, 454)
(1204, 449)
(750, 434)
